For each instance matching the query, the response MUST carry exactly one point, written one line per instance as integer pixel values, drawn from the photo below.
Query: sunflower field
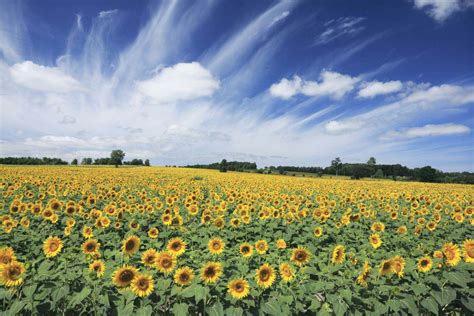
(122, 241)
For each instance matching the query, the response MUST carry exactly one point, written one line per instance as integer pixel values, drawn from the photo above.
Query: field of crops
(166, 240)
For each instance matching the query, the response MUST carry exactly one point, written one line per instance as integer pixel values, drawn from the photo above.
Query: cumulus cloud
(43, 78)
(331, 84)
(428, 131)
(375, 88)
(341, 127)
(181, 82)
(340, 27)
(440, 10)
(285, 89)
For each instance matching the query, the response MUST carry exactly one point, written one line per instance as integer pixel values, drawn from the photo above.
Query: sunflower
(149, 257)
(265, 276)
(11, 273)
(183, 276)
(338, 254)
(300, 256)
(211, 272)
(318, 231)
(153, 233)
(375, 240)
(438, 254)
(238, 288)
(142, 285)
(122, 277)
(286, 272)
(378, 227)
(398, 265)
(364, 275)
(131, 245)
(215, 246)
(261, 246)
(165, 262)
(246, 250)
(97, 266)
(281, 244)
(176, 246)
(452, 254)
(402, 230)
(424, 264)
(7, 255)
(87, 232)
(52, 246)
(90, 247)
(166, 219)
(468, 250)
(386, 267)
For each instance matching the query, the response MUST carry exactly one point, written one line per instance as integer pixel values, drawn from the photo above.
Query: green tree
(336, 164)
(86, 161)
(427, 174)
(74, 162)
(372, 161)
(379, 174)
(223, 166)
(147, 162)
(116, 157)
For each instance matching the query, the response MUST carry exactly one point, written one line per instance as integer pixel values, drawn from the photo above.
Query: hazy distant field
(188, 241)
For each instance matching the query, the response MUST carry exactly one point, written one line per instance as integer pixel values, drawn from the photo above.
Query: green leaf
(216, 309)
(340, 308)
(180, 309)
(394, 305)
(79, 297)
(144, 311)
(16, 307)
(126, 311)
(272, 307)
(409, 303)
(59, 293)
(457, 278)
(29, 291)
(234, 311)
(445, 296)
(430, 304)
(200, 293)
(44, 267)
(468, 302)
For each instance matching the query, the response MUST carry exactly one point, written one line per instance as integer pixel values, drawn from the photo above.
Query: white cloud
(341, 127)
(181, 82)
(331, 84)
(340, 27)
(449, 94)
(43, 78)
(436, 101)
(375, 88)
(285, 89)
(428, 131)
(279, 18)
(440, 10)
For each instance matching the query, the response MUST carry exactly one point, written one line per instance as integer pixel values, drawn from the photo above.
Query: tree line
(116, 159)
(370, 169)
(225, 165)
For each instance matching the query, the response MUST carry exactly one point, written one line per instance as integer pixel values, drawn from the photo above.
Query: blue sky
(275, 82)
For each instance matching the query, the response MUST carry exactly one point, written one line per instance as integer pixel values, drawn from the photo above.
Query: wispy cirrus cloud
(428, 130)
(340, 27)
(159, 97)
